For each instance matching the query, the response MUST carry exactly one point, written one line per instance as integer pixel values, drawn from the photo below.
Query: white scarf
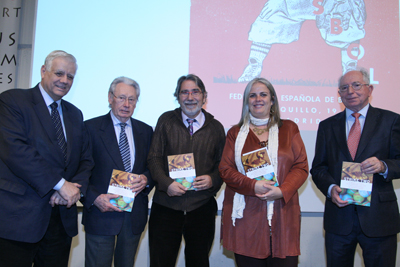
(238, 201)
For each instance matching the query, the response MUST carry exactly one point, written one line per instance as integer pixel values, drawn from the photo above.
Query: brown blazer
(250, 236)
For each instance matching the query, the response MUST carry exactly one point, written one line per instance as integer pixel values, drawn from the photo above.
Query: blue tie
(124, 148)
(55, 116)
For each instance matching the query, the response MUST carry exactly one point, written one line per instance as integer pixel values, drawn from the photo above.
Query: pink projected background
(307, 43)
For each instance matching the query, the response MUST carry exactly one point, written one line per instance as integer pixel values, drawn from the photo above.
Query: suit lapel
(69, 128)
(371, 122)
(339, 131)
(138, 145)
(42, 112)
(107, 135)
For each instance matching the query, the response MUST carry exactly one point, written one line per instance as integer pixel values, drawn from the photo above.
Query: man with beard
(176, 210)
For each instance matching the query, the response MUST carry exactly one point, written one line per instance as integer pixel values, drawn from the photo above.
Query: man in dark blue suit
(103, 221)
(45, 164)
(375, 228)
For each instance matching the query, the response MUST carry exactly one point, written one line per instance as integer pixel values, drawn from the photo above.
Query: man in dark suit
(45, 164)
(103, 221)
(375, 228)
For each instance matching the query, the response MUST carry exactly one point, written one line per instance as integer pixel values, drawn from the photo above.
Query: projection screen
(301, 46)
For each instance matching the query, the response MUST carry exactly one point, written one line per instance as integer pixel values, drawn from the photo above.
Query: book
(257, 165)
(120, 184)
(356, 185)
(182, 169)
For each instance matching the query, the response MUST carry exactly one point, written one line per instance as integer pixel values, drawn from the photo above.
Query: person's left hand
(273, 193)
(57, 199)
(202, 182)
(373, 165)
(140, 184)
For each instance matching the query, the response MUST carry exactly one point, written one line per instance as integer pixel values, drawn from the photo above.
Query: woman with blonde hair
(261, 218)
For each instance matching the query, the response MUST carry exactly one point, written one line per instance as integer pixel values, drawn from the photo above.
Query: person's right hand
(70, 192)
(176, 189)
(102, 202)
(335, 191)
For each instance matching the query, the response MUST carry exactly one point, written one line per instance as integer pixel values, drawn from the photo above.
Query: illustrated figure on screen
(340, 22)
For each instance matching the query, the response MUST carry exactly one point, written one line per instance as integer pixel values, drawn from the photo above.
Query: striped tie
(124, 148)
(55, 116)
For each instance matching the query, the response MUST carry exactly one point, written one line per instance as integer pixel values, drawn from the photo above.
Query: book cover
(182, 170)
(257, 165)
(120, 184)
(356, 185)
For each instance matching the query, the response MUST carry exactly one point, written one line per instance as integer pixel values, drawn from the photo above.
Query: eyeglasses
(355, 85)
(194, 92)
(122, 99)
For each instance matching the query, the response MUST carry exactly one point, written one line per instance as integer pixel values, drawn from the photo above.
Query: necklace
(260, 131)
(263, 143)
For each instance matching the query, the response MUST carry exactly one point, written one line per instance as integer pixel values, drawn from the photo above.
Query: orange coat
(251, 235)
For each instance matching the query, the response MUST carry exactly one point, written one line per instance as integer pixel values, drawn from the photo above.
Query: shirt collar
(47, 99)
(363, 111)
(199, 118)
(117, 121)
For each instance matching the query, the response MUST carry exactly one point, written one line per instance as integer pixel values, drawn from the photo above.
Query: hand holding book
(202, 182)
(102, 202)
(176, 189)
(139, 183)
(335, 197)
(373, 165)
(268, 190)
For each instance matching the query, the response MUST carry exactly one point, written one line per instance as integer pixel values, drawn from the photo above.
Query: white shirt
(350, 119)
(129, 135)
(48, 100)
(200, 119)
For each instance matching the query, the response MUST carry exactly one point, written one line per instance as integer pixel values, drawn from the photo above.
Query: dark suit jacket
(107, 157)
(380, 138)
(31, 163)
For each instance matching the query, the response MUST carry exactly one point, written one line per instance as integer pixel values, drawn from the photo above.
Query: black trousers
(166, 227)
(377, 251)
(244, 261)
(52, 250)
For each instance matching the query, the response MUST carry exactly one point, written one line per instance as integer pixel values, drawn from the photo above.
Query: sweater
(171, 137)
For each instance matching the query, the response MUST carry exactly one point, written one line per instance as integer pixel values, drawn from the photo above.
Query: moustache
(190, 102)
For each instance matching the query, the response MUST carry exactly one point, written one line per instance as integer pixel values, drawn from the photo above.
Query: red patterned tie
(354, 135)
